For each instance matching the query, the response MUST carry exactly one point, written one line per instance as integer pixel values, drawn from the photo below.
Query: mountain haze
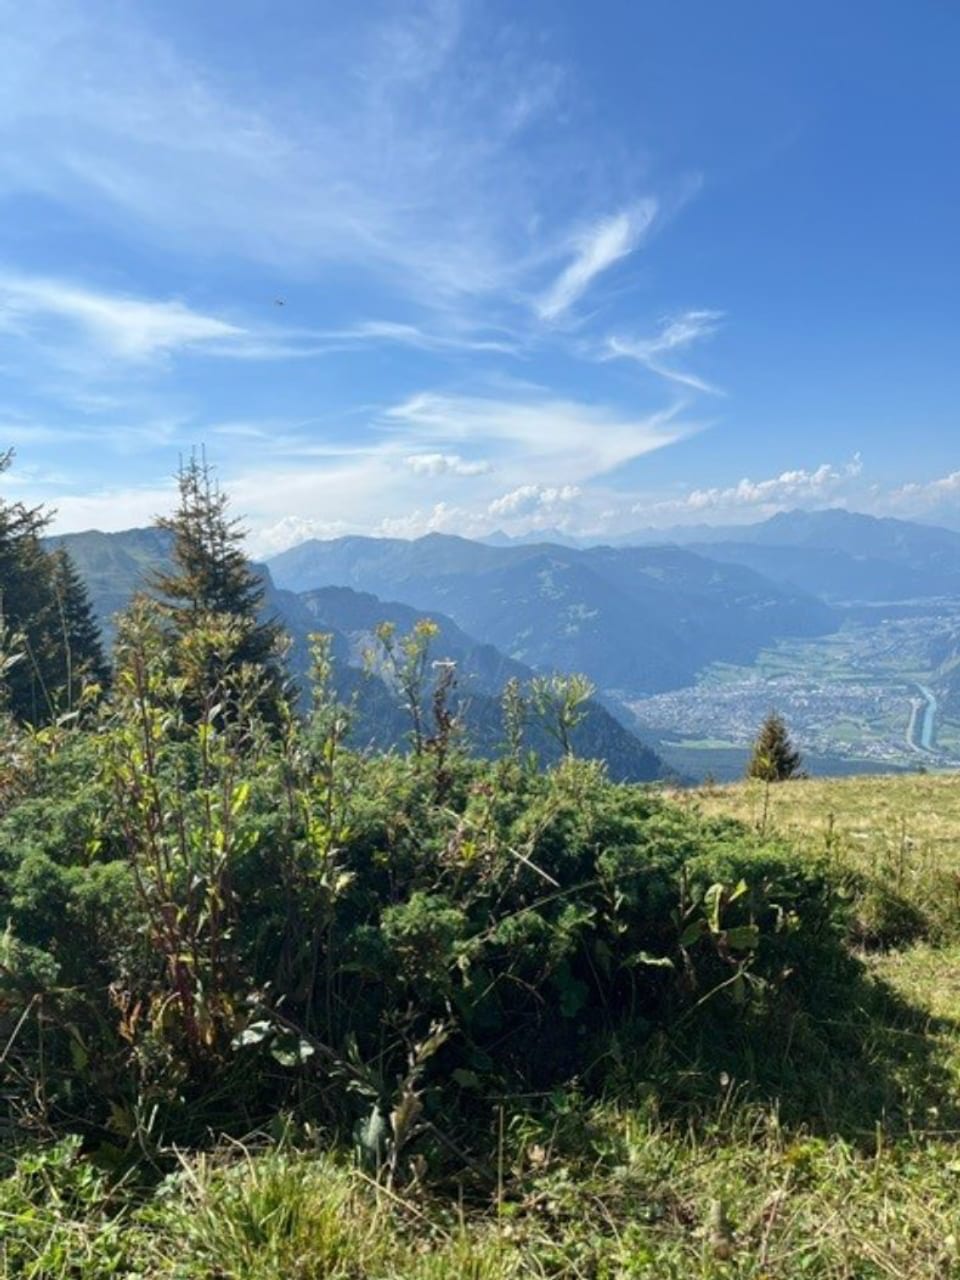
(634, 619)
(838, 555)
(116, 565)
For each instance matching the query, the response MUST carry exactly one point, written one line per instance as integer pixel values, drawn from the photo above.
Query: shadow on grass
(847, 1057)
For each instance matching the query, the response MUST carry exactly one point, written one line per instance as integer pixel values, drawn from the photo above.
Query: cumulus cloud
(675, 334)
(444, 464)
(919, 495)
(789, 486)
(530, 498)
(596, 249)
(442, 518)
(271, 539)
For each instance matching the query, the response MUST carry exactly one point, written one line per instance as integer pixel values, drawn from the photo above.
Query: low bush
(205, 933)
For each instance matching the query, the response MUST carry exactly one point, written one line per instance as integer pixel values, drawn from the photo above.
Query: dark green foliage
(50, 640)
(217, 920)
(774, 757)
(211, 577)
(79, 632)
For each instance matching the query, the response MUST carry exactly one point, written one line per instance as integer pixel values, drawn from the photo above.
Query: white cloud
(798, 485)
(565, 440)
(918, 496)
(421, 165)
(111, 509)
(129, 328)
(675, 334)
(411, 335)
(400, 156)
(597, 249)
(418, 166)
(442, 518)
(54, 314)
(291, 530)
(533, 498)
(354, 483)
(442, 464)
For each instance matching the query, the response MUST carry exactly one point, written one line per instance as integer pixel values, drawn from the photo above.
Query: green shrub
(211, 917)
(531, 915)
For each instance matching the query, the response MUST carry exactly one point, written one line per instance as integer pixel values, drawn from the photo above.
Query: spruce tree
(211, 579)
(43, 601)
(25, 607)
(774, 757)
(83, 657)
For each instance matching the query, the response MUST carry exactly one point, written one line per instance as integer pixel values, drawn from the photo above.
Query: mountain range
(637, 619)
(116, 565)
(840, 556)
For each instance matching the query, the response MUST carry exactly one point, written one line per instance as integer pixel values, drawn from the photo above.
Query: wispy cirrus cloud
(57, 314)
(569, 441)
(675, 335)
(409, 198)
(401, 159)
(415, 336)
(596, 249)
(127, 328)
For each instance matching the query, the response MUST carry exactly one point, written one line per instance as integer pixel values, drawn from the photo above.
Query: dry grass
(871, 817)
(901, 832)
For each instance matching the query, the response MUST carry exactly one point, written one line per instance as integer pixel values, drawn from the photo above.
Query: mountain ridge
(634, 619)
(115, 565)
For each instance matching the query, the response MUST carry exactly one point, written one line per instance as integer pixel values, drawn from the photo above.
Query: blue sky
(595, 267)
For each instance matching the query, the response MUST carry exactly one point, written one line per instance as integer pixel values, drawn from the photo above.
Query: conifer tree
(83, 653)
(212, 579)
(774, 757)
(43, 600)
(24, 606)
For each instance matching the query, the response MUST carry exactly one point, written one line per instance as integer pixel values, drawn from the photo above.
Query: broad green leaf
(745, 937)
(240, 797)
(256, 1033)
(712, 900)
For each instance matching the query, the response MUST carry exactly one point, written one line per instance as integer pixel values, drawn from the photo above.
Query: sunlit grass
(640, 1200)
(901, 831)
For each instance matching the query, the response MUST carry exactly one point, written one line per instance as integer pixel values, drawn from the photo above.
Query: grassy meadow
(901, 832)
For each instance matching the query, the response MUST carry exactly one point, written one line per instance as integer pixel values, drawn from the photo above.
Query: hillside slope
(116, 565)
(636, 620)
